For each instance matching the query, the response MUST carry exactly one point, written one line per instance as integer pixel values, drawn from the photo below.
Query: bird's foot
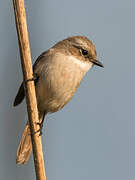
(31, 79)
(39, 130)
(34, 78)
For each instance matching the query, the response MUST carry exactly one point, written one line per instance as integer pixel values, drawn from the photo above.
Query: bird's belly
(55, 91)
(58, 85)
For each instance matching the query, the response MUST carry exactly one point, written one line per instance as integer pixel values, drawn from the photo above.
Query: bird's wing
(37, 67)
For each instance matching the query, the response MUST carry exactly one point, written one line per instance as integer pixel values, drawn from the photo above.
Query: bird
(57, 75)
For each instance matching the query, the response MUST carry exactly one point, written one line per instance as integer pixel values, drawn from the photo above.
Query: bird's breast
(60, 81)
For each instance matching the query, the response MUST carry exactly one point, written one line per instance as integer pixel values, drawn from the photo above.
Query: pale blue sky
(93, 137)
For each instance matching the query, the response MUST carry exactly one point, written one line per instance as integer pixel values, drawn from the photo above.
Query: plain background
(93, 137)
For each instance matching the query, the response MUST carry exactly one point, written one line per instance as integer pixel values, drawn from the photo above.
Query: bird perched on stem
(57, 74)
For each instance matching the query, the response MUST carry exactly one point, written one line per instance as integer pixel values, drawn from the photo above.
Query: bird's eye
(84, 52)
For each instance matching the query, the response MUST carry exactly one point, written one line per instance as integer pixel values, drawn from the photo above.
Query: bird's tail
(25, 146)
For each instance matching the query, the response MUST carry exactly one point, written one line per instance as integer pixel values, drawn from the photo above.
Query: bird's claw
(39, 130)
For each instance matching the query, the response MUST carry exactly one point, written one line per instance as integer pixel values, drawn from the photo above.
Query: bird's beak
(96, 62)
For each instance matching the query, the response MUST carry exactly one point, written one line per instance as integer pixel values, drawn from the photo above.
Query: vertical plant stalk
(25, 54)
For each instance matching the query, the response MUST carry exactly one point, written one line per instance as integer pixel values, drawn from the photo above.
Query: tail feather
(25, 147)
